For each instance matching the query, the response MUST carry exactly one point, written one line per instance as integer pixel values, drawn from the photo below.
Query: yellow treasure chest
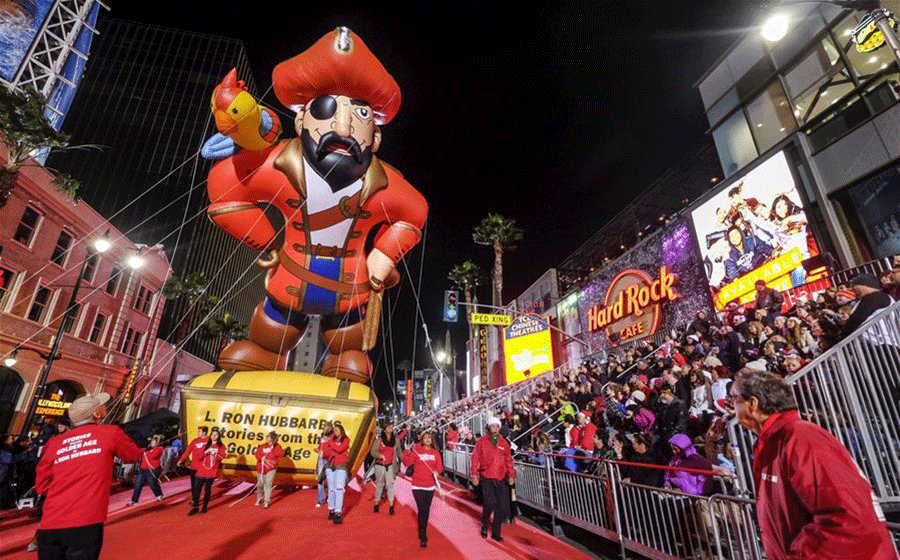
(247, 405)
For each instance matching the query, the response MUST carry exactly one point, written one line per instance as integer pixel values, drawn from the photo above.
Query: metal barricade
(853, 392)
(585, 501)
(533, 487)
(894, 530)
(742, 442)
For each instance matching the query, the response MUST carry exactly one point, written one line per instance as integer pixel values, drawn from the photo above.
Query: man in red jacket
(267, 456)
(812, 501)
(492, 467)
(75, 472)
(148, 471)
(194, 451)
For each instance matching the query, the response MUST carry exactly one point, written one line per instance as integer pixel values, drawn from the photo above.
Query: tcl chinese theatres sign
(632, 307)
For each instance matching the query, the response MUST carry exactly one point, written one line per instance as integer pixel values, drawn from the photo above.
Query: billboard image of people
(20, 20)
(755, 229)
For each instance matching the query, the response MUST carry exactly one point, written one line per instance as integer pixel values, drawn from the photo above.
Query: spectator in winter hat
(684, 454)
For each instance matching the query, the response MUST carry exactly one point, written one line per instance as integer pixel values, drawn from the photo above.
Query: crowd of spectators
(669, 405)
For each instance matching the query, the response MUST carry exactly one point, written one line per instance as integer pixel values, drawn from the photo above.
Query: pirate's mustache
(332, 138)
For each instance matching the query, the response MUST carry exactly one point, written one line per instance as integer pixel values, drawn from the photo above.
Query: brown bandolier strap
(319, 250)
(321, 281)
(346, 209)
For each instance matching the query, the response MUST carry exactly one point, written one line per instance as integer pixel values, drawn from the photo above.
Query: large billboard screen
(755, 229)
(20, 21)
(528, 348)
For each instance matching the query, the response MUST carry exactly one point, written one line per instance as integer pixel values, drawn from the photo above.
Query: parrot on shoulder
(240, 120)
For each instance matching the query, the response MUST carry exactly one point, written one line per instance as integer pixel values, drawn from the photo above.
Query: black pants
(496, 501)
(74, 543)
(205, 484)
(423, 505)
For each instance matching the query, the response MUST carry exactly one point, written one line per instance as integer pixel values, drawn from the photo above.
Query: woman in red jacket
(148, 471)
(426, 462)
(207, 470)
(267, 456)
(387, 463)
(336, 455)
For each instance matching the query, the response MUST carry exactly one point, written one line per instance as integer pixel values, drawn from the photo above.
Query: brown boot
(246, 355)
(269, 344)
(351, 365)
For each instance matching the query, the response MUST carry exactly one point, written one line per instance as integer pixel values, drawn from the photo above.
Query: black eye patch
(323, 107)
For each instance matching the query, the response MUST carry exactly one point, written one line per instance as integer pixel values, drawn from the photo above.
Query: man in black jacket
(871, 299)
(769, 301)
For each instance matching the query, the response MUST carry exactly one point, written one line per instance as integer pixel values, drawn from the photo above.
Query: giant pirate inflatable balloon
(349, 217)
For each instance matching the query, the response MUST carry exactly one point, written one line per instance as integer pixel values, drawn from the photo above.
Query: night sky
(554, 116)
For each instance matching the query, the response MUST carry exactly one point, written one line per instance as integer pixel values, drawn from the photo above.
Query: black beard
(338, 170)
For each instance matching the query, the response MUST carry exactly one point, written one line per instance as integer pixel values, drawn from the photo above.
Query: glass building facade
(144, 103)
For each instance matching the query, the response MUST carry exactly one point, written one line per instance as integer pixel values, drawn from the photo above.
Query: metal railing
(875, 267)
(655, 522)
(853, 391)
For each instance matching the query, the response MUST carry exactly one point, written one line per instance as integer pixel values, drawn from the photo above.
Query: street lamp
(776, 26)
(10, 361)
(100, 245)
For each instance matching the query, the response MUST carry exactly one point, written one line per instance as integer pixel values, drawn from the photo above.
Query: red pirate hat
(338, 64)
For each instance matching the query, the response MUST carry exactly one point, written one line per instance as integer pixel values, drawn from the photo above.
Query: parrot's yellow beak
(224, 123)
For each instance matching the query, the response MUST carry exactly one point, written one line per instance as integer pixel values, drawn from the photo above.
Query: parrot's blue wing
(218, 147)
(265, 125)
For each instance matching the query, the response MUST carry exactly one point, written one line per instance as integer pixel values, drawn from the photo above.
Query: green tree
(501, 234)
(227, 328)
(24, 129)
(466, 276)
(191, 291)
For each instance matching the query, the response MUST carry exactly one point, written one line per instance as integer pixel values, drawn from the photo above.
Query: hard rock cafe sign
(632, 308)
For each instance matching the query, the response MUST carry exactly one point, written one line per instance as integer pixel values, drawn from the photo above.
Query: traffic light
(451, 307)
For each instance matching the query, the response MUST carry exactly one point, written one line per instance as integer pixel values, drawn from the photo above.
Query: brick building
(44, 241)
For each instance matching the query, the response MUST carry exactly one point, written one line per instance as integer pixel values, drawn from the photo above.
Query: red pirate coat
(386, 205)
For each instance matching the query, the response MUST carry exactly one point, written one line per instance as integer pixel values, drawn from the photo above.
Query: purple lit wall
(674, 248)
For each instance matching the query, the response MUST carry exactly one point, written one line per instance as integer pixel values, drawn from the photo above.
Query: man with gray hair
(812, 501)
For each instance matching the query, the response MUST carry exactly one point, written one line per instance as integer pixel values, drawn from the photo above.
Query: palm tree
(24, 129)
(501, 234)
(227, 327)
(190, 290)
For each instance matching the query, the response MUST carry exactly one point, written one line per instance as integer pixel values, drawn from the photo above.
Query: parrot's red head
(226, 91)
(231, 103)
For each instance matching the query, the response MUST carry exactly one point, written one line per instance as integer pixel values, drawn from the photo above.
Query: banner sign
(527, 347)
(49, 407)
(483, 358)
(632, 308)
(490, 319)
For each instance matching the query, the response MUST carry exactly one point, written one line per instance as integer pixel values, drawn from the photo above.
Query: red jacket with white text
(194, 451)
(427, 463)
(76, 471)
(210, 461)
(493, 461)
(812, 501)
(150, 458)
(267, 457)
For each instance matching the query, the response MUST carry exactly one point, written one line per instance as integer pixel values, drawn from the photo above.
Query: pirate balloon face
(339, 136)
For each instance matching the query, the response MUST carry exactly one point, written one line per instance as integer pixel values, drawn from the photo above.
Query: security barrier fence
(654, 522)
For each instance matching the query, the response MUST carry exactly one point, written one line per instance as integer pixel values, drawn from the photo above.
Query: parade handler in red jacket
(75, 472)
(336, 198)
(267, 457)
(812, 501)
(425, 460)
(492, 467)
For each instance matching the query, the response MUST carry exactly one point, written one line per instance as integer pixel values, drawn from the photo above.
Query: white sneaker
(258, 501)
(32, 547)
(159, 498)
(129, 504)
(318, 505)
(267, 505)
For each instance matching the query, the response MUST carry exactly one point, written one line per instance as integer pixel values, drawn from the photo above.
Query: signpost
(490, 319)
